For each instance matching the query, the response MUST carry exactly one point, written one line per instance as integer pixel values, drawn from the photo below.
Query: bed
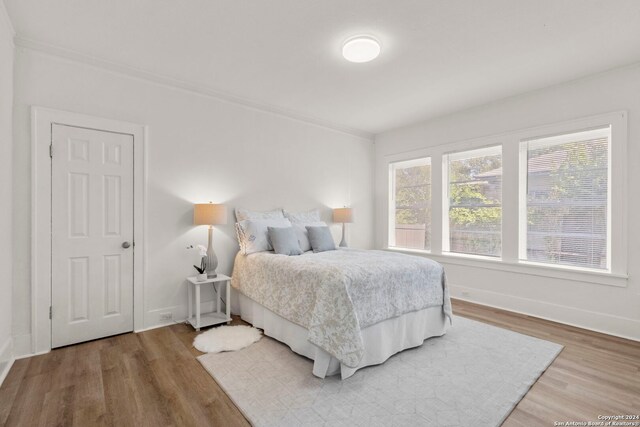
(344, 309)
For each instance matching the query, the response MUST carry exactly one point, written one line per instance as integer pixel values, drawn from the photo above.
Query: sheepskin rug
(226, 338)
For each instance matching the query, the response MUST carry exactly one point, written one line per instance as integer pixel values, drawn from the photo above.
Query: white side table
(201, 320)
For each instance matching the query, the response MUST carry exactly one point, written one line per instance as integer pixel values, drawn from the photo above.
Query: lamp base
(212, 259)
(343, 242)
(212, 264)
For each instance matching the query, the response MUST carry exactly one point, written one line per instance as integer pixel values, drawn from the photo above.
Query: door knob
(126, 245)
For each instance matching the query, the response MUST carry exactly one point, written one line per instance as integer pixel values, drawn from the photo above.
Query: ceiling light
(361, 49)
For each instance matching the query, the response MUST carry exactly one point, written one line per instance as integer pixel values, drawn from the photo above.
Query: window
(550, 201)
(410, 204)
(474, 208)
(567, 199)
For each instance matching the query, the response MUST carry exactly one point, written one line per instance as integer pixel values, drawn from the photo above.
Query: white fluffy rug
(474, 375)
(226, 338)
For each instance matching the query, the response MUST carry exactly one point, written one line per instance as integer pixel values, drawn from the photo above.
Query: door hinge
(50, 312)
(51, 151)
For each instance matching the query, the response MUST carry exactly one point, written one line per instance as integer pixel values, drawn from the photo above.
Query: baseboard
(598, 322)
(6, 359)
(154, 318)
(22, 346)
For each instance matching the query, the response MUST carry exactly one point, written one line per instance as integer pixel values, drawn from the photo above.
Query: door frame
(42, 121)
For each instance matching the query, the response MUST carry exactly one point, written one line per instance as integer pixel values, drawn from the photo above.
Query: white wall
(6, 107)
(609, 309)
(199, 149)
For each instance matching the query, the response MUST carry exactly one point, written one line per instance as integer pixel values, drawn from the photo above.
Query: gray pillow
(321, 239)
(284, 240)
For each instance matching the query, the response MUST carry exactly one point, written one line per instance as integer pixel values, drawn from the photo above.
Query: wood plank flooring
(153, 379)
(595, 374)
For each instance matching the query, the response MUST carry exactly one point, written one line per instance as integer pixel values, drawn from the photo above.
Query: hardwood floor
(153, 379)
(595, 374)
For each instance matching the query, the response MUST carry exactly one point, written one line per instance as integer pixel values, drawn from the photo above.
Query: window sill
(523, 267)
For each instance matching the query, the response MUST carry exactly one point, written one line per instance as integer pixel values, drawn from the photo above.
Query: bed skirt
(381, 341)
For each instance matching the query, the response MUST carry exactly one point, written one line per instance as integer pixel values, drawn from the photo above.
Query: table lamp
(210, 214)
(343, 215)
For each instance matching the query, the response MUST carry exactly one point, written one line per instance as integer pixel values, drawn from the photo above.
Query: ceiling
(437, 56)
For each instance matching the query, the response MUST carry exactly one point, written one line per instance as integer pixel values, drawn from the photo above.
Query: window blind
(475, 201)
(568, 199)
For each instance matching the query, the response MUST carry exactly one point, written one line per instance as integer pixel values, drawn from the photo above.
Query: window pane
(411, 202)
(567, 192)
(475, 202)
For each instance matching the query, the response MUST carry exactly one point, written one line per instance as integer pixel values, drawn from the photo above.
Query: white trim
(6, 350)
(41, 122)
(437, 192)
(490, 150)
(5, 371)
(405, 164)
(173, 83)
(161, 325)
(583, 319)
(393, 167)
(11, 32)
(549, 141)
(6, 357)
(179, 313)
(523, 185)
(524, 267)
(445, 242)
(391, 203)
(618, 182)
(487, 140)
(545, 141)
(610, 201)
(452, 156)
(22, 345)
(28, 355)
(510, 201)
(510, 254)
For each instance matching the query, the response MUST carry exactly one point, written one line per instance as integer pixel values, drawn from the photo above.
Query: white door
(92, 234)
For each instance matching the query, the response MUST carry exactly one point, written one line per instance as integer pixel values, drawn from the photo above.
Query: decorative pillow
(321, 239)
(253, 234)
(242, 214)
(303, 217)
(300, 228)
(284, 240)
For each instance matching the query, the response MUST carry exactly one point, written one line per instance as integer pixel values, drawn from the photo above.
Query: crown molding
(11, 32)
(174, 83)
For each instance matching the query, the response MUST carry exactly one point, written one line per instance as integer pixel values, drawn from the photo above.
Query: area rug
(474, 375)
(226, 338)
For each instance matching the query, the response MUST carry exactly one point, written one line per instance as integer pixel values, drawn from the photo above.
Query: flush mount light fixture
(361, 49)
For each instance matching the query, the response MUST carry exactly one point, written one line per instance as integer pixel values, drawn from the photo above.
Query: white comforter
(335, 294)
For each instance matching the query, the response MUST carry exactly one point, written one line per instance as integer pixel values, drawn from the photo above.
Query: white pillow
(303, 217)
(302, 234)
(242, 214)
(253, 235)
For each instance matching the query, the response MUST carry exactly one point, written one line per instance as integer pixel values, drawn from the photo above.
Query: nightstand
(201, 320)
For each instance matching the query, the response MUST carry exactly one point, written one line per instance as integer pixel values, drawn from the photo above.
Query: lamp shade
(209, 214)
(343, 215)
